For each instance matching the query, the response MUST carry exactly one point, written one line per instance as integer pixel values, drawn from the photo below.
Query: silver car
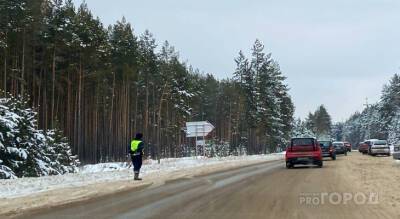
(378, 147)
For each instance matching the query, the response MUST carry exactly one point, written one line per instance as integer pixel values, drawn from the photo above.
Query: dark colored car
(340, 147)
(303, 151)
(363, 147)
(327, 149)
(348, 146)
(396, 152)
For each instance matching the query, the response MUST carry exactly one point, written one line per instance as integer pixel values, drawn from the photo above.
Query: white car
(378, 147)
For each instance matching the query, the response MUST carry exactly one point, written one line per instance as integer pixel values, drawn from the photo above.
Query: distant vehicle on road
(378, 147)
(348, 146)
(303, 151)
(363, 148)
(396, 152)
(340, 147)
(327, 149)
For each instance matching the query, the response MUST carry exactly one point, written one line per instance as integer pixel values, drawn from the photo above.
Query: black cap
(138, 136)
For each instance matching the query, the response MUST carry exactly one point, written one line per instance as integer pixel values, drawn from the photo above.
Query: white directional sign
(198, 129)
(201, 142)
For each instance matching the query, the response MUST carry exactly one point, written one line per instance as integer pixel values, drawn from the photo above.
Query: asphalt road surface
(266, 190)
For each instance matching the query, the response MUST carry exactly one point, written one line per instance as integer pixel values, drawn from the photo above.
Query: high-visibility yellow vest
(135, 145)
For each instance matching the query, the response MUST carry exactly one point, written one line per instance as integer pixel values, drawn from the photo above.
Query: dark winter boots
(137, 177)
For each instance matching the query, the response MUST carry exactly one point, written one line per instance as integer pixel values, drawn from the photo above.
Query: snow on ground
(111, 172)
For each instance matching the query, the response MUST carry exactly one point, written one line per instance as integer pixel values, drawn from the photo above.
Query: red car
(363, 148)
(303, 151)
(348, 146)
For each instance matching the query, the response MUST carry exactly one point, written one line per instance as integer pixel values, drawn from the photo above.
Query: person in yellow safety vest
(136, 151)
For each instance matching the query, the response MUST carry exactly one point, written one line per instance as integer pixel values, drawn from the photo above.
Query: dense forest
(100, 85)
(380, 120)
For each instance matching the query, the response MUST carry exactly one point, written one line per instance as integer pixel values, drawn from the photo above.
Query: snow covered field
(113, 172)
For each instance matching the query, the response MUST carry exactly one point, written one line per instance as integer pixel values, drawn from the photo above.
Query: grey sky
(335, 53)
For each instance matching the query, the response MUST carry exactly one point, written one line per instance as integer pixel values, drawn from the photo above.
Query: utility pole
(368, 125)
(366, 104)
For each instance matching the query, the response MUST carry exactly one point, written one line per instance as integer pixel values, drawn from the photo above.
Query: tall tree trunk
(136, 108)
(69, 106)
(159, 122)
(79, 129)
(111, 117)
(23, 64)
(5, 72)
(39, 93)
(53, 73)
(127, 119)
(146, 111)
(154, 119)
(33, 90)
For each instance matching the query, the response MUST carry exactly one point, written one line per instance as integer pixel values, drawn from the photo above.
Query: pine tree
(25, 150)
(301, 130)
(319, 122)
(390, 99)
(337, 131)
(59, 152)
(322, 122)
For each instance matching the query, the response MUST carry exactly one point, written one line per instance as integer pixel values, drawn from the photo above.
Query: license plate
(303, 159)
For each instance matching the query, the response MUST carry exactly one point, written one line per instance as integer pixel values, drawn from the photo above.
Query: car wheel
(333, 157)
(320, 165)
(288, 165)
(345, 153)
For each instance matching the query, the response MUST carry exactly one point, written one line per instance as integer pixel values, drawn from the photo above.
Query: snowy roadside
(101, 179)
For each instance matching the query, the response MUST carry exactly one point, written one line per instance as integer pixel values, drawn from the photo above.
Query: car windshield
(325, 143)
(380, 142)
(302, 141)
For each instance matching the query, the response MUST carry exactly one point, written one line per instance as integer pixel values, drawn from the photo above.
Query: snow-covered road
(106, 178)
(264, 190)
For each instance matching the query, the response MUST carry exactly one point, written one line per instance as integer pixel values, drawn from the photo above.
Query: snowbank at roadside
(174, 163)
(110, 172)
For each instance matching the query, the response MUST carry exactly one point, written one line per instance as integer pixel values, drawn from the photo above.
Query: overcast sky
(336, 53)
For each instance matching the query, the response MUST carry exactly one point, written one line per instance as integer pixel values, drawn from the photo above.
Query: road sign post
(199, 129)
